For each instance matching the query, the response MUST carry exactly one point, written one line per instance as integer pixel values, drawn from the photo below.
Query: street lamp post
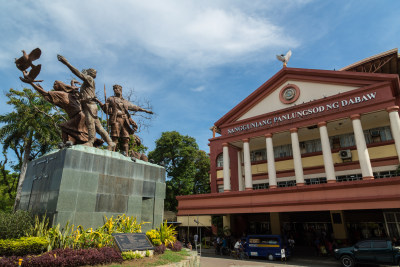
(197, 222)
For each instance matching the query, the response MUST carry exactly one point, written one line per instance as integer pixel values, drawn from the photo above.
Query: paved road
(209, 259)
(223, 262)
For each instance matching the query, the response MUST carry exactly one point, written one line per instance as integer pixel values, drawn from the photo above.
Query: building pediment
(291, 93)
(291, 87)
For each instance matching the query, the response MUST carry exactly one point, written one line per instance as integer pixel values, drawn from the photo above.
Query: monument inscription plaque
(130, 241)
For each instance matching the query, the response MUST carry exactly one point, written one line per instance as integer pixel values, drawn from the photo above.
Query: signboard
(130, 241)
(272, 120)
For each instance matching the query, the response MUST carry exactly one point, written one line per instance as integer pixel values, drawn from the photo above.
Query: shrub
(167, 233)
(154, 237)
(80, 238)
(9, 261)
(40, 228)
(176, 246)
(130, 255)
(67, 257)
(122, 224)
(23, 246)
(14, 225)
(164, 234)
(159, 249)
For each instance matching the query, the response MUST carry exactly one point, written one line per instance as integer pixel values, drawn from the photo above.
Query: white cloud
(198, 89)
(191, 34)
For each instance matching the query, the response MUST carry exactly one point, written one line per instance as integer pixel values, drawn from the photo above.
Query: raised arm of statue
(74, 70)
(37, 87)
(133, 107)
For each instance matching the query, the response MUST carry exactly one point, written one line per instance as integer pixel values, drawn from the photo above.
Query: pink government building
(308, 152)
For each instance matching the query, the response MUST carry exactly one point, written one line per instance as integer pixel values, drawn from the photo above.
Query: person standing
(196, 238)
(89, 103)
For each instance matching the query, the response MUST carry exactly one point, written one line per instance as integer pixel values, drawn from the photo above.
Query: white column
(363, 155)
(298, 166)
(248, 179)
(240, 172)
(395, 126)
(227, 175)
(327, 153)
(271, 161)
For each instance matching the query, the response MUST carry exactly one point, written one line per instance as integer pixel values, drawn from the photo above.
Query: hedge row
(23, 246)
(14, 225)
(67, 257)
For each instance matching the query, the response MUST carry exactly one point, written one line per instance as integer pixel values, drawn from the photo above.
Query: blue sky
(193, 60)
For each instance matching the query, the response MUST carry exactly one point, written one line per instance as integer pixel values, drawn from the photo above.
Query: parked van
(267, 246)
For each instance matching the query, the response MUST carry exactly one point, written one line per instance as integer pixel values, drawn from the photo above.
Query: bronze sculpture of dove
(31, 76)
(25, 61)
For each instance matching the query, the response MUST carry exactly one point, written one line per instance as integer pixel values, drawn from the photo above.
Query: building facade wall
(335, 148)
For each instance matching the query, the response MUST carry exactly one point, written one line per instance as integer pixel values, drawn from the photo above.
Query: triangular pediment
(307, 92)
(291, 87)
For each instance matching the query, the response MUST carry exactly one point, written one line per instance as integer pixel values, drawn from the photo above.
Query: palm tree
(30, 130)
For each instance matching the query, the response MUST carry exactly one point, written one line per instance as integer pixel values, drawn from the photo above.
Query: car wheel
(347, 261)
(270, 257)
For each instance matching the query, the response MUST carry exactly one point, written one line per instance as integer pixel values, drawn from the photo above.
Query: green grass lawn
(169, 257)
(166, 258)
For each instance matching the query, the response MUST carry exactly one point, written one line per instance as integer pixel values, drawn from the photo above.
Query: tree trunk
(21, 178)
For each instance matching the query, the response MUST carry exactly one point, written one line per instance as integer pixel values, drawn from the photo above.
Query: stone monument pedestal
(83, 184)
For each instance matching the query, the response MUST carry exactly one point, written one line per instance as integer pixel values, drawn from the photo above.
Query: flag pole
(106, 111)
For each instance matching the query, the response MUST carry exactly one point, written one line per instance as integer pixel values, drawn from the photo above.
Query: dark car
(375, 251)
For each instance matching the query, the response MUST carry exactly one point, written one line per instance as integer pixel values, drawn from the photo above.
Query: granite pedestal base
(83, 184)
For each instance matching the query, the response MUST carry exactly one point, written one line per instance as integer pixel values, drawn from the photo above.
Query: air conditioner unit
(345, 154)
(374, 133)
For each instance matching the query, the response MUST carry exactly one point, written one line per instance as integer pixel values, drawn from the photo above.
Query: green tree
(30, 130)
(186, 166)
(8, 186)
(202, 176)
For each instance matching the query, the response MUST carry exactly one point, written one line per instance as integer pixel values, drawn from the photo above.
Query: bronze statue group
(81, 106)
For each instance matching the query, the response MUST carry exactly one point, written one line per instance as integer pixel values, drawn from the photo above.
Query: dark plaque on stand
(127, 242)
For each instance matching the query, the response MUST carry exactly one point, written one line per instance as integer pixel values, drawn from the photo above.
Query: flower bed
(76, 246)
